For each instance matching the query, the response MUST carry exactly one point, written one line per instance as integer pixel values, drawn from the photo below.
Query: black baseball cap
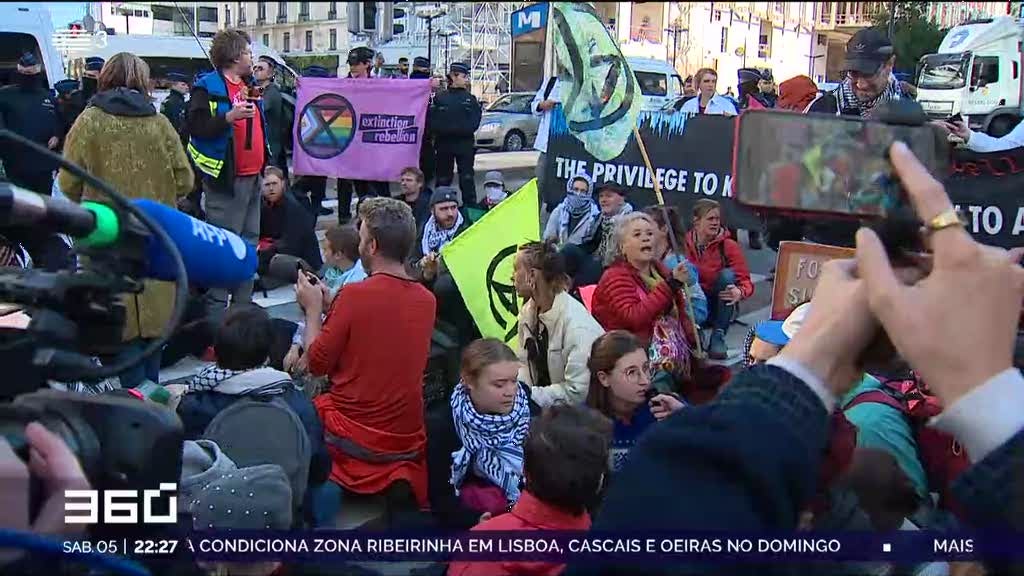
(867, 50)
(444, 194)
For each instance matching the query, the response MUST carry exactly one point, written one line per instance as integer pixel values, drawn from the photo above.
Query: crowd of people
(606, 411)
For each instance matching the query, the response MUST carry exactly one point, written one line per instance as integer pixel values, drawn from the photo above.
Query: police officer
(455, 117)
(68, 106)
(27, 109)
(421, 71)
(174, 107)
(360, 61)
(90, 78)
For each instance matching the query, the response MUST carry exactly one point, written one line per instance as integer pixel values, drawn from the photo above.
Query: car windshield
(943, 71)
(515, 103)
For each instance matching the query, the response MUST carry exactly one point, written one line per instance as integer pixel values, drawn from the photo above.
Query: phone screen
(819, 163)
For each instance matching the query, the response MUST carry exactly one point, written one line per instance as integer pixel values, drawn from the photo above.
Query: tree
(913, 35)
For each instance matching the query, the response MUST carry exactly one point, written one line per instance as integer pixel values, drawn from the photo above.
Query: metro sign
(530, 18)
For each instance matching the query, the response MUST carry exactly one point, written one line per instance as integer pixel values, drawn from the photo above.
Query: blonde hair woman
(120, 138)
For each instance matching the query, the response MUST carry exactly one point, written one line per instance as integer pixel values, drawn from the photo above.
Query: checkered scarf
(848, 99)
(492, 443)
(435, 238)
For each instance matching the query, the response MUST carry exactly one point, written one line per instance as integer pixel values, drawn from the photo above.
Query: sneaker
(717, 349)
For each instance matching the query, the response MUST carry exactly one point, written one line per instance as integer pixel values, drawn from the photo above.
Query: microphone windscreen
(213, 257)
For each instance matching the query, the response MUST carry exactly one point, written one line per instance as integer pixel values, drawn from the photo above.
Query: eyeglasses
(854, 76)
(634, 374)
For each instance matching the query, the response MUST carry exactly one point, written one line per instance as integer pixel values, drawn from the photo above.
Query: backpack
(941, 455)
(256, 430)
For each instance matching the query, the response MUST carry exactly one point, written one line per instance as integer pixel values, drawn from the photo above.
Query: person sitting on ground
(415, 193)
(373, 410)
(620, 384)
(286, 227)
(566, 464)
(341, 257)
(723, 270)
(475, 444)
(585, 264)
(445, 223)
(555, 329)
(242, 345)
(494, 189)
(637, 293)
(574, 220)
(672, 256)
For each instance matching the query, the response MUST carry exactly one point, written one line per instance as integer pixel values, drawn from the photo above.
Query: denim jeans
(148, 369)
(326, 502)
(720, 313)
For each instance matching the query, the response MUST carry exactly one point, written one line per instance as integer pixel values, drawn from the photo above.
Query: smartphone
(825, 164)
(304, 268)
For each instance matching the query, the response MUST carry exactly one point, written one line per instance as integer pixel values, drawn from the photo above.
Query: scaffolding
(486, 43)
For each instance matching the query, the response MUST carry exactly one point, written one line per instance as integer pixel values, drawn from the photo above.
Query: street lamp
(431, 12)
(447, 35)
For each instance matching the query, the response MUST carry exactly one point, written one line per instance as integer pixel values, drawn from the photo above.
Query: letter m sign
(530, 18)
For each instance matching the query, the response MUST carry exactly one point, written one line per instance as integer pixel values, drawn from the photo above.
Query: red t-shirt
(249, 153)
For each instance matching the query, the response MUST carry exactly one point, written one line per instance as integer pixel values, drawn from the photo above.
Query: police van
(659, 83)
(26, 27)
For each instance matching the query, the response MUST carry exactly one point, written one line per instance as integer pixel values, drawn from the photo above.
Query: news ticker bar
(565, 547)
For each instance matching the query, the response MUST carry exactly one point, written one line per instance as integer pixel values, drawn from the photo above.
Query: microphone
(213, 257)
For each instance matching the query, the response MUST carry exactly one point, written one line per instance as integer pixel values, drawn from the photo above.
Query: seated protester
(637, 293)
(566, 461)
(341, 257)
(672, 255)
(620, 385)
(445, 223)
(574, 220)
(415, 194)
(475, 445)
(586, 263)
(494, 189)
(373, 410)
(242, 345)
(724, 274)
(555, 330)
(285, 226)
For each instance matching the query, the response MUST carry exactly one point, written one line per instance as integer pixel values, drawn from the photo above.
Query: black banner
(692, 159)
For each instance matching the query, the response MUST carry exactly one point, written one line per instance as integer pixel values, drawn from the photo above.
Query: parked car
(508, 124)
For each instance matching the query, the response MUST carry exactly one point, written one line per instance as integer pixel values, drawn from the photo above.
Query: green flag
(600, 95)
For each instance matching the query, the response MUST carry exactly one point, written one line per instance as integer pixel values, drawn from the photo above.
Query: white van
(659, 82)
(26, 27)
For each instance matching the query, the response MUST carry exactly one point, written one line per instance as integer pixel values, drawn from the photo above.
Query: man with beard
(869, 80)
(445, 223)
(415, 194)
(403, 67)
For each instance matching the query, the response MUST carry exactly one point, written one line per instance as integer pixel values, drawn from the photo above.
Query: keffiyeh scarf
(434, 238)
(848, 99)
(493, 443)
(213, 378)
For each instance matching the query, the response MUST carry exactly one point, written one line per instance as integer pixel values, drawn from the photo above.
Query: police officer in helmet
(455, 116)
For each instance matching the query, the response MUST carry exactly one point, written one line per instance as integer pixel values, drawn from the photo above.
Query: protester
(708, 101)
(415, 194)
(279, 123)
(229, 146)
(688, 90)
(403, 67)
(797, 93)
(341, 257)
(27, 109)
(122, 140)
(566, 462)
(455, 116)
(585, 263)
(750, 94)
(373, 410)
(672, 253)
(445, 223)
(766, 89)
(475, 444)
(359, 59)
(174, 106)
(548, 96)
(242, 346)
(555, 329)
(637, 293)
(286, 226)
(316, 186)
(378, 70)
(723, 474)
(724, 274)
(494, 189)
(428, 161)
(869, 80)
(620, 384)
(575, 219)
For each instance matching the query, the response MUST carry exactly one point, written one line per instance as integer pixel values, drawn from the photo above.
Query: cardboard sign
(797, 271)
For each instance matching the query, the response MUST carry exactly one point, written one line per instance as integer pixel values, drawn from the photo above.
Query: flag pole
(671, 236)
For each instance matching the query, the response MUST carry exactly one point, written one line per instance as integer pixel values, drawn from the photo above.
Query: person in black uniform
(456, 116)
(68, 106)
(360, 60)
(174, 106)
(90, 78)
(28, 109)
(428, 161)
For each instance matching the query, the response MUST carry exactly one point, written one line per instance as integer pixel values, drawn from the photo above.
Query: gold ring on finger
(947, 219)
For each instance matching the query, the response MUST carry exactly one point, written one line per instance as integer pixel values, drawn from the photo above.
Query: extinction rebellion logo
(329, 122)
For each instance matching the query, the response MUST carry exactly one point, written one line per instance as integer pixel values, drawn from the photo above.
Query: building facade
(303, 32)
(157, 18)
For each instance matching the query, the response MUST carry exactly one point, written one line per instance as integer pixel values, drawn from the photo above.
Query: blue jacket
(211, 140)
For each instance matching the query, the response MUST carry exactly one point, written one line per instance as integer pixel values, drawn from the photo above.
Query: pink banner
(359, 128)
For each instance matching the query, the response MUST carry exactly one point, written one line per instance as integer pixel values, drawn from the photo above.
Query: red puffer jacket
(529, 513)
(722, 252)
(622, 301)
